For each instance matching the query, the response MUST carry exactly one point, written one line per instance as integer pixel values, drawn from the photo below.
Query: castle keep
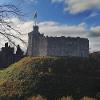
(40, 45)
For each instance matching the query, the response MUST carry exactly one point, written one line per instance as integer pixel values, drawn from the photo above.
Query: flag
(35, 15)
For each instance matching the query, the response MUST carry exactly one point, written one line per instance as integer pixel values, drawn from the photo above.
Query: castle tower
(33, 42)
(33, 39)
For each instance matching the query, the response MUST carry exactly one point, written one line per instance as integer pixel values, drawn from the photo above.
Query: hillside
(18, 77)
(51, 76)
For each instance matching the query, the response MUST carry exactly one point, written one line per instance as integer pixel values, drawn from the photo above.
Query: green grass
(19, 78)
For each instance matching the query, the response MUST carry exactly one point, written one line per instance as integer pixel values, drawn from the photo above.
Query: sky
(74, 18)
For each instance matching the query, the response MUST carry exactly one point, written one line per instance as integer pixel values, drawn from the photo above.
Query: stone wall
(42, 46)
(62, 46)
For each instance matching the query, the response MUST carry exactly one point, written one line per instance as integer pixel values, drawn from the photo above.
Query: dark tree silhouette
(6, 27)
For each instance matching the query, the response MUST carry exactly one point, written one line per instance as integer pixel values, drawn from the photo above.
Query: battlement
(67, 38)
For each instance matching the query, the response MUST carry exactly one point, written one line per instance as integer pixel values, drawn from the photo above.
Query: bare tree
(6, 27)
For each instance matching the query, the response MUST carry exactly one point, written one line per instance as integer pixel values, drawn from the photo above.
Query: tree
(6, 27)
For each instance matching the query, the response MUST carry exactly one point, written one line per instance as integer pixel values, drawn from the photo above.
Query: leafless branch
(6, 12)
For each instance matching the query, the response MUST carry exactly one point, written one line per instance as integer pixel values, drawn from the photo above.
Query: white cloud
(95, 31)
(21, 26)
(91, 15)
(52, 28)
(77, 6)
(55, 29)
(29, 1)
(57, 1)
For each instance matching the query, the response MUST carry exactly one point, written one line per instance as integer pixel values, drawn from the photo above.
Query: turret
(6, 45)
(36, 29)
(19, 51)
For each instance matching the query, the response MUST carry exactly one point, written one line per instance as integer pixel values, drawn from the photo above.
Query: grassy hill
(19, 78)
(51, 76)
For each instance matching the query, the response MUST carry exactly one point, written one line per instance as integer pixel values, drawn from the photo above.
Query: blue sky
(62, 17)
(54, 10)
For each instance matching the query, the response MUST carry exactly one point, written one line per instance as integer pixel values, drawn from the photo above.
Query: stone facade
(40, 45)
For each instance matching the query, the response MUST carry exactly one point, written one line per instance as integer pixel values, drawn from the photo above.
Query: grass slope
(19, 78)
(55, 75)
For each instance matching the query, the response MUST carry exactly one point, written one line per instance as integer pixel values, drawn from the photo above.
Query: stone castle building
(8, 56)
(40, 45)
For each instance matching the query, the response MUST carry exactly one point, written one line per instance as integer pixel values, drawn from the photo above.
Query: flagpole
(35, 21)
(35, 18)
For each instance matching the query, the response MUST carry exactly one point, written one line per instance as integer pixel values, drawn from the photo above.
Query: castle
(7, 55)
(40, 45)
